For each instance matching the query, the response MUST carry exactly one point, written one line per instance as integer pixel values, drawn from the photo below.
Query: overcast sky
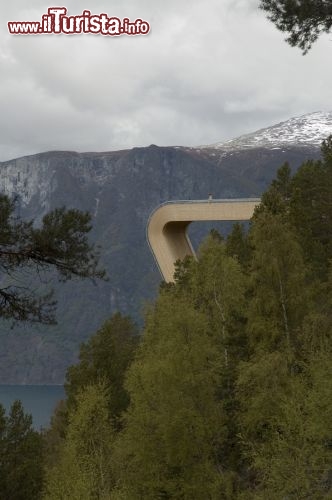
(207, 71)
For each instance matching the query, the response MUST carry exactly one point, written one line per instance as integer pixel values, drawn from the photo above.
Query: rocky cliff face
(120, 189)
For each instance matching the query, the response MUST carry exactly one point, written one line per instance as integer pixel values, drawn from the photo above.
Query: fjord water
(38, 400)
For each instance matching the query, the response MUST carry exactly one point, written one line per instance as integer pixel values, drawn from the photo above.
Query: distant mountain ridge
(120, 189)
(307, 130)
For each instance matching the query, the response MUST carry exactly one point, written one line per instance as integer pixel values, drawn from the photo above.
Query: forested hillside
(228, 393)
(120, 189)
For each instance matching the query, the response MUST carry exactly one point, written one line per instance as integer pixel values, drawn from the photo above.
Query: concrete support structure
(168, 224)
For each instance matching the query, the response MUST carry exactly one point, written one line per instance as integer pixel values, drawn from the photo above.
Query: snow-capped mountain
(306, 130)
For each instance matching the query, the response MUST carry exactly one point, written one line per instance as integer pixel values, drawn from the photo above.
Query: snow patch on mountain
(306, 130)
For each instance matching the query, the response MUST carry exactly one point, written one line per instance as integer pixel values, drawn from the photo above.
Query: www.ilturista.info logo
(56, 22)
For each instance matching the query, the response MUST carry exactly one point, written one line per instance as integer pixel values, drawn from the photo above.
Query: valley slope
(120, 189)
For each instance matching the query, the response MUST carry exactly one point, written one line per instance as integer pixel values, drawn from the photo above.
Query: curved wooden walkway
(168, 224)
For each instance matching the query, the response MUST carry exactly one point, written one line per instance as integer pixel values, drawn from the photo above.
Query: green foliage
(304, 203)
(105, 357)
(174, 424)
(217, 286)
(284, 389)
(286, 427)
(279, 298)
(82, 470)
(55, 435)
(179, 440)
(303, 20)
(230, 389)
(21, 467)
(276, 199)
(237, 245)
(311, 211)
(60, 244)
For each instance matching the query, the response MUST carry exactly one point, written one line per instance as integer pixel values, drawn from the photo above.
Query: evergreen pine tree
(21, 467)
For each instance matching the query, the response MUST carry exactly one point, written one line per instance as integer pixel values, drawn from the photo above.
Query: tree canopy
(106, 356)
(303, 20)
(228, 394)
(21, 457)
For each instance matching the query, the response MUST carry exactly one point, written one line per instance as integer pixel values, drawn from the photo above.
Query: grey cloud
(205, 73)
